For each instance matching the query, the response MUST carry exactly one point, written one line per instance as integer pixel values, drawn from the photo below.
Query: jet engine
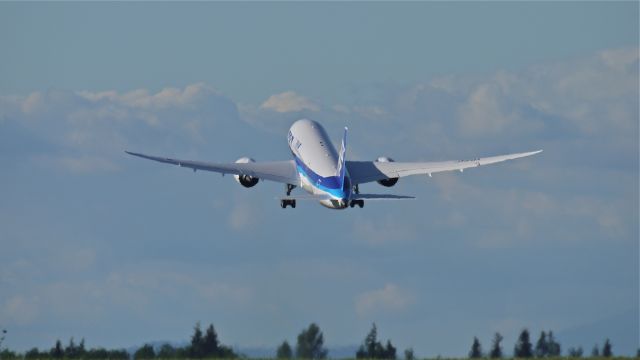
(386, 182)
(246, 180)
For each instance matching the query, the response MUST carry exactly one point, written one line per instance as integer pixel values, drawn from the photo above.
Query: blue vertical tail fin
(342, 158)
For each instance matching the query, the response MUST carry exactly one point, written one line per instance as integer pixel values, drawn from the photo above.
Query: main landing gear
(353, 203)
(288, 202)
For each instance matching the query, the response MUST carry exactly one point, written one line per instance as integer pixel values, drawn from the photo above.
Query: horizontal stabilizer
(381, 197)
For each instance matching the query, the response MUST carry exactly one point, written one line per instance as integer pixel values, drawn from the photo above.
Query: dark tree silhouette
(284, 351)
(73, 351)
(210, 344)
(476, 349)
(607, 349)
(98, 353)
(553, 346)
(496, 348)
(542, 346)
(310, 344)
(34, 353)
(117, 355)
(371, 343)
(196, 350)
(166, 352)
(145, 352)
(408, 354)
(575, 352)
(595, 352)
(389, 351)
(373, 349)
(523, 348)
(206, 345)
(57, 352)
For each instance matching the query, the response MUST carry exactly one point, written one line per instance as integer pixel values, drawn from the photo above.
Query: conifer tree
(553, 346)
(389, 351)
(606, 349)
(496, 348)
(575, 352)
(284, 351)
(210, 344)
(145, 352)
(310, 344)
(523, 348)
(408, 354)
(476, 349)
(57, 352)
(542, 346)
(197, 342)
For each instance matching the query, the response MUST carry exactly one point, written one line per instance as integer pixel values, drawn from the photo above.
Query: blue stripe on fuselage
(329, 184)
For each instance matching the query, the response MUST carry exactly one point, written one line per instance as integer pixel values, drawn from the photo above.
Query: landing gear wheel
(286, 202)
(359, 203)
(293, 204)
(283, 204)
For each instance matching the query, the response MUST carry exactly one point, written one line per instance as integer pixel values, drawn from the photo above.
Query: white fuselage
(317, 163)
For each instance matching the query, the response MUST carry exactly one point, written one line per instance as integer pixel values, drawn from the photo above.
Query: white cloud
(289, 101)
(524, 211)
(596, 95)
(32, 102)
(485, 112)
(388, 298)
(89, 130)
(165, 98)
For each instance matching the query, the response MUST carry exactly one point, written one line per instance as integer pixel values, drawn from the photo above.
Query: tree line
(546, 346)
(309, 345)
(70, 351)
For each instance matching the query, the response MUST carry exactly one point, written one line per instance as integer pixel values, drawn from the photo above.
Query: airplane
(326, 175)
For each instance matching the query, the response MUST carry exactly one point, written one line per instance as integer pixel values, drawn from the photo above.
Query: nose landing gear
(359, 203)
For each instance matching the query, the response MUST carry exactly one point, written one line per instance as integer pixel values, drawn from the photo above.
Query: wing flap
(381, 197)
(306, 197)
(278, 171)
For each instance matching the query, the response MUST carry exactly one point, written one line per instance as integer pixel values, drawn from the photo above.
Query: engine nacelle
(386, 182)
(246, 180)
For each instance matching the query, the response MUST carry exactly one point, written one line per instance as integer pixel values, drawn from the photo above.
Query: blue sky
(122, 251)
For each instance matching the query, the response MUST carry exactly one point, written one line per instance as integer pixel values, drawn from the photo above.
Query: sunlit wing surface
(368, 171)
(381, 197)
(278, 171)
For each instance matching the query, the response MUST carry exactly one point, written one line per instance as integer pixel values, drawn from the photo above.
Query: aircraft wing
(278, 171)
(366, 171)
(382, 197)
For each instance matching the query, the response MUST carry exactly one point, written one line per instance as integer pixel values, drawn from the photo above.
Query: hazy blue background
(121, 251)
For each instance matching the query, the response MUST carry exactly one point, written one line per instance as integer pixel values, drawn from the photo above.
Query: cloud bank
(576, 203)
